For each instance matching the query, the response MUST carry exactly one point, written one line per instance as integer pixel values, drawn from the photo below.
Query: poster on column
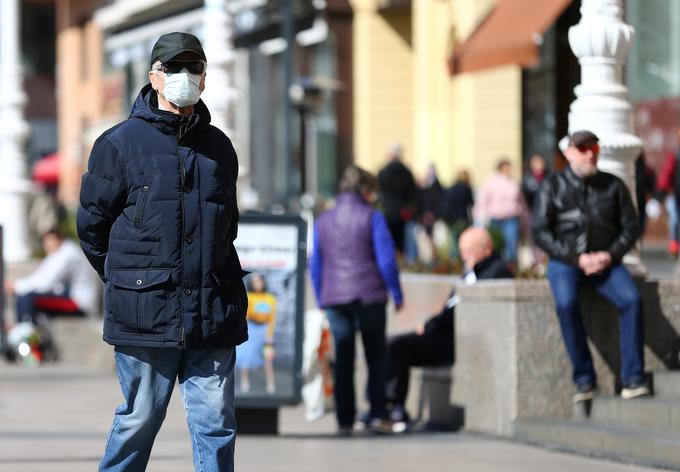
(272, 248)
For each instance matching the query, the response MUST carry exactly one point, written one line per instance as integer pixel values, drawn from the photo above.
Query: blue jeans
(672, 210)
(370, 320)
(509, 228)
(617, 286)
(147, 377)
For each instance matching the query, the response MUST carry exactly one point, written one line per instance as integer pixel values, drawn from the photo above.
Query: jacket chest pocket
(142, 199)
(139, 300)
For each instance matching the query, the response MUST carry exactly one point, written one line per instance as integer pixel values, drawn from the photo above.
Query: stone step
(620, 443)
(648, 412)
(667, 384)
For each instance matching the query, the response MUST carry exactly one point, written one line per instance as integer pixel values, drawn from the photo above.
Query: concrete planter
(510, 359)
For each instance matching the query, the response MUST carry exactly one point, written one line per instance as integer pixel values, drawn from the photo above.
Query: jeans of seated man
(147, 377)
(30, 304)
(617, 286)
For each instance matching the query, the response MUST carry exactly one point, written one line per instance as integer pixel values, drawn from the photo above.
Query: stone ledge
(511, 362)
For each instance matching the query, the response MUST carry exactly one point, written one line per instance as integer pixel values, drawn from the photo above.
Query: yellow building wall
(487, 108)
(383, 84)
(79, 69)
(467, 121)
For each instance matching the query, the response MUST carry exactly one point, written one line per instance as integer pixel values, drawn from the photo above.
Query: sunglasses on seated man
(588, 147)
(174, 67)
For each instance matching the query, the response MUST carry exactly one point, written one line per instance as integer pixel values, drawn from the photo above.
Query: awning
(46, 170)
(509, 35)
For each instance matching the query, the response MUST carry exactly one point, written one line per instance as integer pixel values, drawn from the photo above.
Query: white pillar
(220, 94)
(13, 132)
(601, 41)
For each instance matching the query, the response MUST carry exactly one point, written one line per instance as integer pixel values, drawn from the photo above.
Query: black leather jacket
(572, 216)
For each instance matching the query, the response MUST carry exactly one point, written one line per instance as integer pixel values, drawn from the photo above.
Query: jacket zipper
(182, 175)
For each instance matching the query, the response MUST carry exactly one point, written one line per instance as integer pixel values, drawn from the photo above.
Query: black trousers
(370, 320)
(413, 350)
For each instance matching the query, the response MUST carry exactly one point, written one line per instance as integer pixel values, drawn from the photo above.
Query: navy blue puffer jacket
(157, 221)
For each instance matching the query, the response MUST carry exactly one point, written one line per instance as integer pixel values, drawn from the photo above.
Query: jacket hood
(146, 108)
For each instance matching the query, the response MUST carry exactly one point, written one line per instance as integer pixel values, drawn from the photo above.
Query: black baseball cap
(578, 138)
(171, 44)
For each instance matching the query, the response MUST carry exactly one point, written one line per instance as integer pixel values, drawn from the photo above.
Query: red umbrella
(46, 170)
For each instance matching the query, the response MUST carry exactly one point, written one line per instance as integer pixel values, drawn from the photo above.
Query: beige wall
(79, 69)
(487, 121)
(383, 84)
(465, 121)
(487, 106)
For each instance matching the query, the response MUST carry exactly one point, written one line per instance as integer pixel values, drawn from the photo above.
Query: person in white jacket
(63, 283)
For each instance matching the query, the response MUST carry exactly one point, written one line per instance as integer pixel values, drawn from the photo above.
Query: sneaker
(635, 389)
(673, 248)
(398, 414)
(399, 427)
(381, 426)
(585, 391)
(344, 431)
(363, 421)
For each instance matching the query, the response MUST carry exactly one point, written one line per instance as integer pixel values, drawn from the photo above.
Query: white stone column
(13, 132)
(601, 41)
(220, 94)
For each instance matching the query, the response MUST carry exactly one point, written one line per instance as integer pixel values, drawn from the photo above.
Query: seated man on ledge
(585, 221)
(63, 284)
(432, 343)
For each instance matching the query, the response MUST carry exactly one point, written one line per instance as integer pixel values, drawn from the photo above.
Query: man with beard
(585, 221)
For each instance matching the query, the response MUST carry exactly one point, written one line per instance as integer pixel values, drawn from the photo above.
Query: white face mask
(182, 88)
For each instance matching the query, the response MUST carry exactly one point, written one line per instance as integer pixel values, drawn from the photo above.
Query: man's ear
(153, 78)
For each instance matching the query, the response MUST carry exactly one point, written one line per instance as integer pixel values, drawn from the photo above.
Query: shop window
(654, 65)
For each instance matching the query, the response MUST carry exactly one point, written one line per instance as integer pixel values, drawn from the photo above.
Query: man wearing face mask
(585, 221)
(157, 221)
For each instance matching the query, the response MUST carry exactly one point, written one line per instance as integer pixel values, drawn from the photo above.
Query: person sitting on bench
(431, 344)
(63, 284)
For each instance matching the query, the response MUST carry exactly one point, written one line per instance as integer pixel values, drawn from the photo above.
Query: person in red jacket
(668, 185)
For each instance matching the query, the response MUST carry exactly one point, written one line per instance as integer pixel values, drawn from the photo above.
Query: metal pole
(311, 185)
(3, 299)
(287, 32)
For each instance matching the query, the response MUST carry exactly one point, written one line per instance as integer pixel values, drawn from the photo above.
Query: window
(654, 63)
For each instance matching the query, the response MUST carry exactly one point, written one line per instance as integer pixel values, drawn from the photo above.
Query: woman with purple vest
(353, 265)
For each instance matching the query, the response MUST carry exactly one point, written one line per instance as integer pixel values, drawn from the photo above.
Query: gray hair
(356, 180)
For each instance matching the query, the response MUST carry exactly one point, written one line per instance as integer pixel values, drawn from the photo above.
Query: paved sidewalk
(56, 418)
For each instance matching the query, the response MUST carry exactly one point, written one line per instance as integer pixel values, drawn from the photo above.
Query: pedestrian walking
(500, 204)
(398, 193)
(432, 343)
(668, 185)
(645, 188)
(456, 210)
(429, 199)
(353, 266)
(585, 221)
(157, 220)
(534, 176)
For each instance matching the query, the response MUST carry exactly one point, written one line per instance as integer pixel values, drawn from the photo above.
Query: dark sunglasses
(173, 67)
(586, 147)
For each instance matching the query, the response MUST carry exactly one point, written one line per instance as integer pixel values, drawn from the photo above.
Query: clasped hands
(593, 263)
